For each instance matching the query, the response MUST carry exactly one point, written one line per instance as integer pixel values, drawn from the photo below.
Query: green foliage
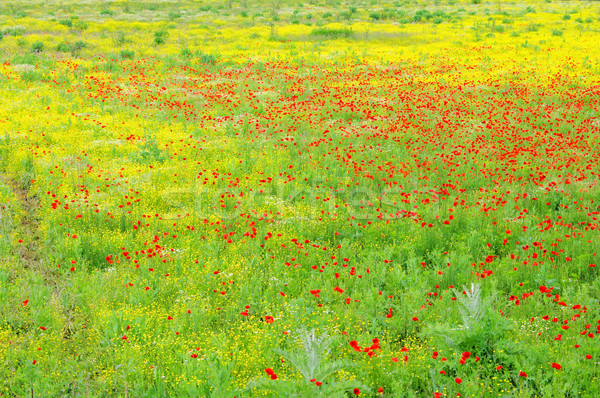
(160, 36)
(17, 30)
(332, 33)
(77, 47)
(204, 58)
(63, 47)
(149, 153)
(37, 47)
(74, 48)
(186, 53)
(312, 362)
(127, 54)
(532, 27)
(481, 329)
(79, 24)
(422, 15)
(121, 38)
(274, 156)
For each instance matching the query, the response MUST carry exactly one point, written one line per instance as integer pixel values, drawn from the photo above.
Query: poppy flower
(556, 366)
(356, 391)
(522, 374)
(458, 380)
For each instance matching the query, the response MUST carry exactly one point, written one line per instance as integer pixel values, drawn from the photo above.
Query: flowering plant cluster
(321, 199)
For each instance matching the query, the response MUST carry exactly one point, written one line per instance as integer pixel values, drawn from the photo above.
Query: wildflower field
(320, 198)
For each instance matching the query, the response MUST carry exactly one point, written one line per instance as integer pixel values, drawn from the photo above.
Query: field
(320, 198)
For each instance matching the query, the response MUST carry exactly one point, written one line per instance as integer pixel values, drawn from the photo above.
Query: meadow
(320, 198)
